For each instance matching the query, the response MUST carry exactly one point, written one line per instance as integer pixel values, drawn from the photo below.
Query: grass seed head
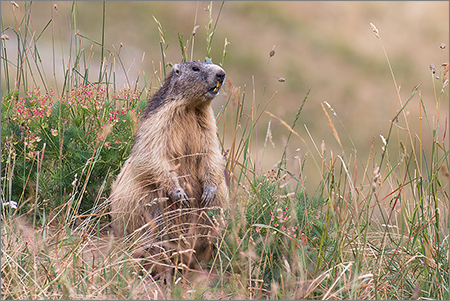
(375, 30)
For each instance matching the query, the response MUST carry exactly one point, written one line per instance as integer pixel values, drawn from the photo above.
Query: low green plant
(81, 138)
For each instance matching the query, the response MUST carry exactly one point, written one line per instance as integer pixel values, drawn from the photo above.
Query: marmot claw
(209, 194)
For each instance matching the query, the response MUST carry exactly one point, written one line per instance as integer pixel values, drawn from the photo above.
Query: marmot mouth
(216, 88)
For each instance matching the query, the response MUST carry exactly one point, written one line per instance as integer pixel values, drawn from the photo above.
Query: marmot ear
(176, 69)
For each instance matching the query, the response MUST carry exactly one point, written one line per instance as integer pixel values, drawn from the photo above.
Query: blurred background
(326, 46)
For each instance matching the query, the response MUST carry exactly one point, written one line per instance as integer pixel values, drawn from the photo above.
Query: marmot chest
(191, 139)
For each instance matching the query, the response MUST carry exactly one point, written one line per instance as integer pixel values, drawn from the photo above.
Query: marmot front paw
(209, 194)
(180, 195)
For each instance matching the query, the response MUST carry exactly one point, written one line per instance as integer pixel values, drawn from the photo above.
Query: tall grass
(376, 227)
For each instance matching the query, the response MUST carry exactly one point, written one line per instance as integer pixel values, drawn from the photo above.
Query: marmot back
(175, 172)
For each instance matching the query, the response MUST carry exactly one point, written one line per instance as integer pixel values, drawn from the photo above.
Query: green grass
(376, 227)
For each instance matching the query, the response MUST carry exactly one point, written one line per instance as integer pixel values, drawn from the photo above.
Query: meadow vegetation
(375, 227)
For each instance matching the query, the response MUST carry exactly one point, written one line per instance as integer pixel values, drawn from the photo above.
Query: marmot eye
(194, 68)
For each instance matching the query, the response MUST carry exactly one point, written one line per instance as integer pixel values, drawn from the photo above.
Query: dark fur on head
(188, 81)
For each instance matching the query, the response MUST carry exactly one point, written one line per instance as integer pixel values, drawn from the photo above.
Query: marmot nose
(220, 76)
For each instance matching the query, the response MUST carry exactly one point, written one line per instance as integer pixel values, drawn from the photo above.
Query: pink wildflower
(54, 132)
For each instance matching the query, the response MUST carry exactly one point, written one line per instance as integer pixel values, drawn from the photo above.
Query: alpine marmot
(175, 172)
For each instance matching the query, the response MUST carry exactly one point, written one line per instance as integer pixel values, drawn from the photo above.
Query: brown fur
(175, 156)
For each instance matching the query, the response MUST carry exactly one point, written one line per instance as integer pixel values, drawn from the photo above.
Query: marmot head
(196, 81)
(188, 84)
